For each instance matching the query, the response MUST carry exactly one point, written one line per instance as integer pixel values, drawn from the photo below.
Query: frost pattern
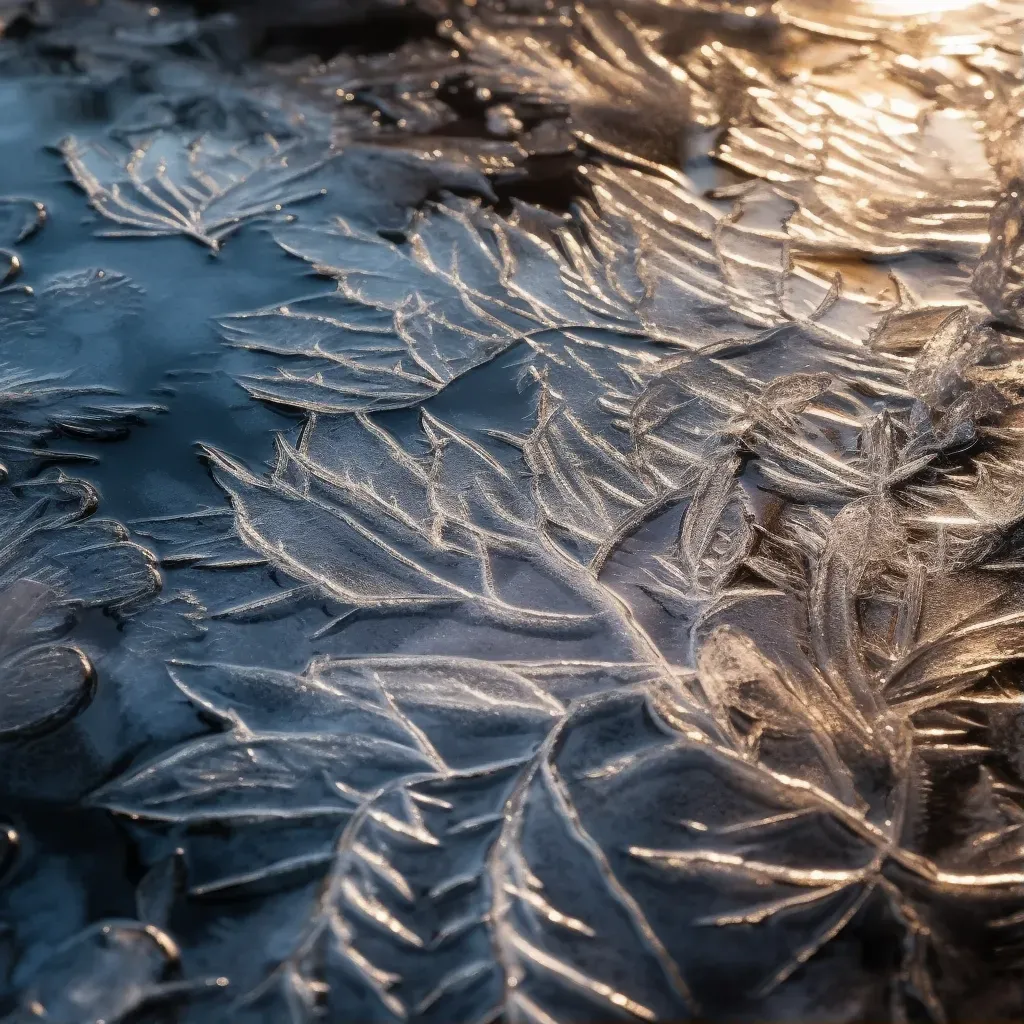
(58, 560)
(869, 160)
(474, 298)
(654, 567)
(620, 93)
(754, 494)
(71, 315)
(57, 336)
(204, 189)
(486, 284)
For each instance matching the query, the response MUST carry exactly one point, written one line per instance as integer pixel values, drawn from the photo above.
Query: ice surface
(551, 552)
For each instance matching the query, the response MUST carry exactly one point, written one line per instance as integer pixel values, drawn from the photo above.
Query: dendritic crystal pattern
(512, 512)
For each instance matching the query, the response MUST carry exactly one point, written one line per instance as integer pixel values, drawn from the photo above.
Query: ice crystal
(204, 189)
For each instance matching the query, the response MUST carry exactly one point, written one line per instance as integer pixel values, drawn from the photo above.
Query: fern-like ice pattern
(625, 621)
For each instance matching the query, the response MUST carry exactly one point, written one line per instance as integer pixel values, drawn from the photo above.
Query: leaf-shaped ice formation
(68, 320)
(702, 273)
(406, 320)
(45, 684)
(510, 867)
(422, 97)
(647, 258)
(204, 188)
(56, 562)
(400, 716)
(401, 85)
(869, 160)
(61, 349)
(601, 74)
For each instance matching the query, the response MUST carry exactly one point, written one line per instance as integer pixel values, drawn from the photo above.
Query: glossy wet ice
(520, 525)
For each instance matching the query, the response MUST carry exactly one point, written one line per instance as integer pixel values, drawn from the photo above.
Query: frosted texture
(511, 512)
